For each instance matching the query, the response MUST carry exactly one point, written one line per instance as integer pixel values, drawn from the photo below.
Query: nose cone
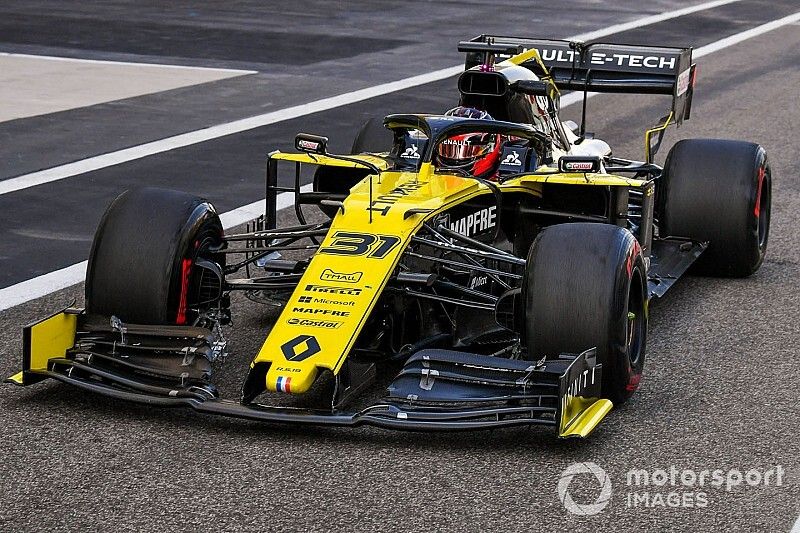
(290, 378)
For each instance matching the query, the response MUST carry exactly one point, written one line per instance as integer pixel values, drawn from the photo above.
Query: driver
(477, 154)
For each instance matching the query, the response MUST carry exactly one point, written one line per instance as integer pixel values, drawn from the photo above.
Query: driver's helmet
(474, 153)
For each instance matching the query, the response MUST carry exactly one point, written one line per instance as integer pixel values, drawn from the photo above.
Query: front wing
(435, 390)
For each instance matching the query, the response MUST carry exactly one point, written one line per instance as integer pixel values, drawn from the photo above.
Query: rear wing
(598, 67)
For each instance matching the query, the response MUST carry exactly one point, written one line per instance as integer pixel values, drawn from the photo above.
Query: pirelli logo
(333, 289)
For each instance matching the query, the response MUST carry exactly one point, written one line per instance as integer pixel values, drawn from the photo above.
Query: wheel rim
(762, 207)
(635, 323)
(188, 300)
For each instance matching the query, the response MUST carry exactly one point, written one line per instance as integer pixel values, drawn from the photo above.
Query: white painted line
(248, 212)
(647, 21)
(127, 63)
(193, 137)
(72, 275)
(745, 35)
(716, 46)
(41, 286)
(186, 139)
(796, 527)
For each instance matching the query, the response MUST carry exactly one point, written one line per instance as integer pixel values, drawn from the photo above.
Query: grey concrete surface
(39, 86)
(429, 32)
(719, 393)
(49, 227)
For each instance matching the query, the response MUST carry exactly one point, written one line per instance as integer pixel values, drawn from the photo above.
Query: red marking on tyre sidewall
(761, 172)
(635, 250)
(186, 269)
(633, 383)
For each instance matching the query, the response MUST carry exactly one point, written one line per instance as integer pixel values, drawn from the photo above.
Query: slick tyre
(720, 192)
(585, 286)
(153, 258)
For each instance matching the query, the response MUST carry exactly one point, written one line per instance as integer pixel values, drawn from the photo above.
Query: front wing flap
(563, 392)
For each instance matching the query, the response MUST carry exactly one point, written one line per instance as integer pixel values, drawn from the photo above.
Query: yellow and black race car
(498, 261)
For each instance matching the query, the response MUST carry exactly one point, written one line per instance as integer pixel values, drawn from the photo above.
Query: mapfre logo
(477, 222)
(331, 275)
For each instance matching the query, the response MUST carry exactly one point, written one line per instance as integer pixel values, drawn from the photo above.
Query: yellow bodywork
(345, 278)
(581, 415)
(44, 340)
(347, 275)
(603, 180)
(330, 161)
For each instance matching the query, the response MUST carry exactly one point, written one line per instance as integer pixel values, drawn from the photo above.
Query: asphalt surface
(720, 380)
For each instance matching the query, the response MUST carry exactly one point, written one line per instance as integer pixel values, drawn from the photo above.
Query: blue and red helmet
(468, 112)
(475, 153)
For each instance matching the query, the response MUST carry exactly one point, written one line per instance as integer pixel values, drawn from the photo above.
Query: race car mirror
(572, 163)
(531, 87)
(314, 144)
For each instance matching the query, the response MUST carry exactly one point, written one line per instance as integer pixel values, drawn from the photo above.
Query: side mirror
(579, 164)
(313, 144)
(531, 87)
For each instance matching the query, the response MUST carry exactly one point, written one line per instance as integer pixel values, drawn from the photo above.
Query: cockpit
(468, 142)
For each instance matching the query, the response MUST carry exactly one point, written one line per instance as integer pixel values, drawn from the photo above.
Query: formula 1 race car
(498, 261)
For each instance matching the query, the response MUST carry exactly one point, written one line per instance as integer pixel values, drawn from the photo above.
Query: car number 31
(362, 244)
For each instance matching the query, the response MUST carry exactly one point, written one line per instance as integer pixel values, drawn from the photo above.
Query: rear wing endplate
(600, 67)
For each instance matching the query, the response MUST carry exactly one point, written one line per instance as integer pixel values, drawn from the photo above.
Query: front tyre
(156, 259)
(585, 286)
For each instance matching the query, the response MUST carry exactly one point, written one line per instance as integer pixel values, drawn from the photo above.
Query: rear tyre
(155, 257)
(585, 286)
(372, 137)
(718, 191)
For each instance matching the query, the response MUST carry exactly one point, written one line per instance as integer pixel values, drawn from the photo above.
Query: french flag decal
(283, 384)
